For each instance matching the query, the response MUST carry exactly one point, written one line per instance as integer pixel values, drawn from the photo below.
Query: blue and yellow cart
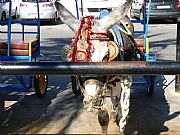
(22, 50)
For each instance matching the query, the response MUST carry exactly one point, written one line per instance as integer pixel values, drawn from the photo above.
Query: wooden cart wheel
(75, 81)
(40, 85)
(150, 89)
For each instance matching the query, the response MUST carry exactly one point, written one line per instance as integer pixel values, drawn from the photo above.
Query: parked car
(159, 9)
(4, 9)
(47, 10)
(91, 7)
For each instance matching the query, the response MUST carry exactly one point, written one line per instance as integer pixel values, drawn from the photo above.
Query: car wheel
(174, 21)
(75, 81)
(3, 17)
(40, 85)
(15, 15)
(150, 89)
(55, 19)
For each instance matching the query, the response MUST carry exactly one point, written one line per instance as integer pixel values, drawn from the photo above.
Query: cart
(22, 50)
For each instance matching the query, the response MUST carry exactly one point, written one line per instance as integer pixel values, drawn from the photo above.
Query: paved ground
(62, 112)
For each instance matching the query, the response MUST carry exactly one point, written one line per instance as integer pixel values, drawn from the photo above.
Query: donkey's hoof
(122, 133)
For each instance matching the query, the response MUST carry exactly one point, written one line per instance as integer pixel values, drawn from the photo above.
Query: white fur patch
(100, 50)
(92, 89)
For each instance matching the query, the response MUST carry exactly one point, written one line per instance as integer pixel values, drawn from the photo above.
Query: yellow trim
(147, 45)
(30, 46)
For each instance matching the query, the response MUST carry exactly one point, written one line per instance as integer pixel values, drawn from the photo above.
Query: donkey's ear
(108, 21)
(67, 17)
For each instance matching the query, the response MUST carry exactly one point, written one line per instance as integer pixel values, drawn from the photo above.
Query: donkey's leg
(113, 115)
(103, 118)
(115, 87)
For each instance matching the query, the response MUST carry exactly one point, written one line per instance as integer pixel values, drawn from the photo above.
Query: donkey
(103, 39)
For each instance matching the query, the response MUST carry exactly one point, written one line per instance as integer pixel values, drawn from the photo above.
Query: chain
(125, 100)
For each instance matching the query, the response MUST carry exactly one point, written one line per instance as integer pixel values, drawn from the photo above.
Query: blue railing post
(77, 10)
(9, 28)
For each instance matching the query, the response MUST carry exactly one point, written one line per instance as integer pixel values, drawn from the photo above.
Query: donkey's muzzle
(92, 87)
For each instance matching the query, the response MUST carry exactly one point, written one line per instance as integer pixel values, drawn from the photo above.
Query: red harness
(82, 45)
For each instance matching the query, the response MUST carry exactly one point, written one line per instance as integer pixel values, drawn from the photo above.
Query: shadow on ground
(32, 115)
(149, 114)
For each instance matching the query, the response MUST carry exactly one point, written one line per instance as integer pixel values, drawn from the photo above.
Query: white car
(4, 8)
(47, 10)
(91, 7)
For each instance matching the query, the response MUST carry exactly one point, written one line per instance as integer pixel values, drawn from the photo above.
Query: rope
(125, 101)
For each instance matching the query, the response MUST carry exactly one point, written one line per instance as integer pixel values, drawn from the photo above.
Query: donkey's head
(92, 41)
(99, 48)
